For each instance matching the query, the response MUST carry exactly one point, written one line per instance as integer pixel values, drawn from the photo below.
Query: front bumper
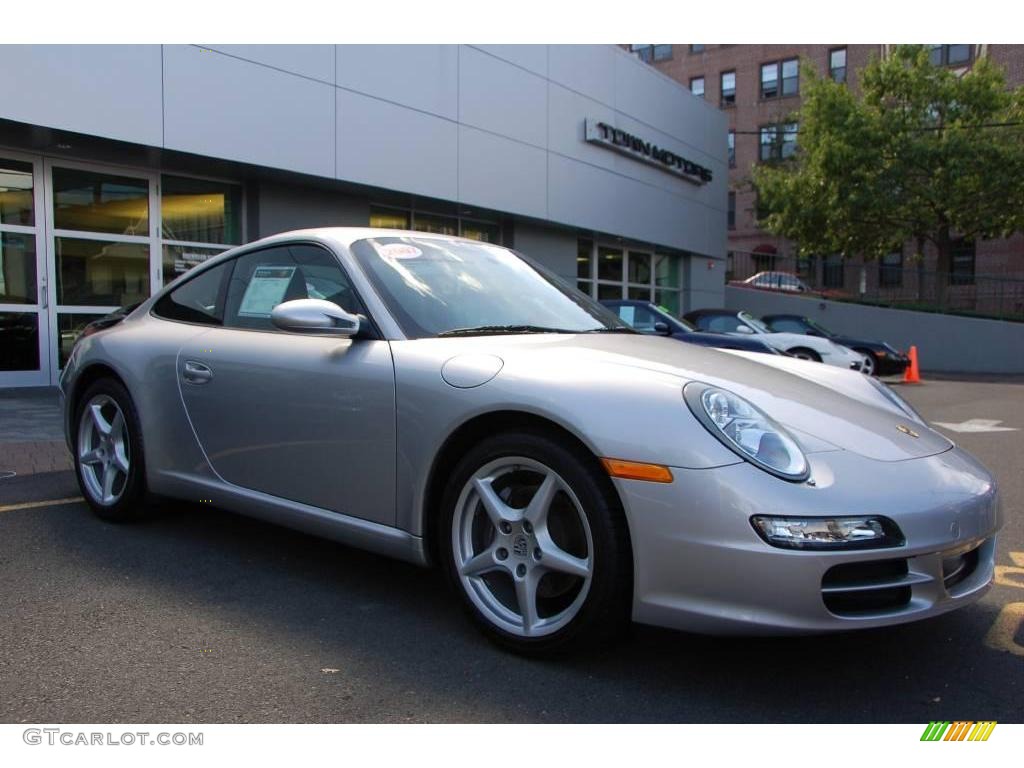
(699, 565)
(891, 365)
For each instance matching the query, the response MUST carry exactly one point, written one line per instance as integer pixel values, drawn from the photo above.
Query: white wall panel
(502, 98)
(103, 90)
(423, 77)
(223, 107)
(502, 174)
(389, 146)
(315, 61)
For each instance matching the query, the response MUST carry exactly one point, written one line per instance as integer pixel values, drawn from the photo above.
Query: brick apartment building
(758, 86)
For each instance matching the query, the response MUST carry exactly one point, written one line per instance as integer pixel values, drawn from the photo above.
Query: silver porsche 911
(451, 402)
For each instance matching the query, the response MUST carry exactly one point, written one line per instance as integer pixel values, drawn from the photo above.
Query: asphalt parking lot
(204, 616)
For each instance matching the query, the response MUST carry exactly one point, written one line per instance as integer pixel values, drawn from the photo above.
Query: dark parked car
(882, 359)
(651, 319)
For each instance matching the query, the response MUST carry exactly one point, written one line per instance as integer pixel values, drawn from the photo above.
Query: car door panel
(305, 418)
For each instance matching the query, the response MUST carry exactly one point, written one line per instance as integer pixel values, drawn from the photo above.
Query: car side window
(199, 300)
(722, 323)
(788, 326)
(641, 318)
(263, 279)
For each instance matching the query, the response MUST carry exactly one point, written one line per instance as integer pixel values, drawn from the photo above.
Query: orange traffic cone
(911, 375)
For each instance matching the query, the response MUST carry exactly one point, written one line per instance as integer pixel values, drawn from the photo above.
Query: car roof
(345, 236)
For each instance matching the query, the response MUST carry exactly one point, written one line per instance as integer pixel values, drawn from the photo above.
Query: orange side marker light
(635, 470)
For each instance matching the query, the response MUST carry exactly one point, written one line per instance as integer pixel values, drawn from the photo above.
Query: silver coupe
(451, 402)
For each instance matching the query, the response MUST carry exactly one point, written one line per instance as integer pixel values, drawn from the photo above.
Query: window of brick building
(949, 55)
(732, 149)
(732, 211)
(837, 64)
(697, 86)
(780, 78)
(778, 141)
(649, 53)
(695, 48)
(832, 271)
(890, 270)
(962, 272)
(728, 89)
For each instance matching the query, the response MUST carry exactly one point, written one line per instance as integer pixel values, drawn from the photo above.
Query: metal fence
(909, 286)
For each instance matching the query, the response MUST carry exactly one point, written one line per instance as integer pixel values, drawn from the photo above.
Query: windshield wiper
(618, 329)
(488, 330)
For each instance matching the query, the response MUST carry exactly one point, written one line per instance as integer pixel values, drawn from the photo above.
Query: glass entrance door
(102, 229)
(24, 288)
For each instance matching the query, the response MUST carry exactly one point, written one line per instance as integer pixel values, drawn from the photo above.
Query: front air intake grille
(877, 586)
(956, 568)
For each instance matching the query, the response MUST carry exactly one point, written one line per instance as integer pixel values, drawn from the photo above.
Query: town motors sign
(623, 142)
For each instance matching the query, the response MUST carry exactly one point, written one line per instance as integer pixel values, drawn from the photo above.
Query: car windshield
(436, 286)
(753, 322)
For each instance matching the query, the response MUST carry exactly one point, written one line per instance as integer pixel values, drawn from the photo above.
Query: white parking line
(975, 425)
(34, 504)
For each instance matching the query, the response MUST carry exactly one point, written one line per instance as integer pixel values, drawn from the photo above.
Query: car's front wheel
(868, 366)
(108, 452)
(535, 543)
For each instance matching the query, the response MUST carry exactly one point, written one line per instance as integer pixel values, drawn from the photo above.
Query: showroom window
(385, 217)
(199, 218)
(728, 89)
(615, 272)
(697, 86)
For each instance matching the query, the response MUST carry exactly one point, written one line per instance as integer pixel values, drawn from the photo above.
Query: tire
(805, 354)
(870, 368)
(574, 567)
(108, 444)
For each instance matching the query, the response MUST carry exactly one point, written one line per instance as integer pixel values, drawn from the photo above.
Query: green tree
(921, 154)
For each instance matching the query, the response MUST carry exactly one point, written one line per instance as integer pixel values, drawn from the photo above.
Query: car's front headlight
(746, 430)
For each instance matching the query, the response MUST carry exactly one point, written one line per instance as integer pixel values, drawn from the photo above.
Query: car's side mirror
(744, 329)
(314, 317)
(662, 329)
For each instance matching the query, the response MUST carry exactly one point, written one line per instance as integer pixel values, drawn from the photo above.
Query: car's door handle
(196, 373)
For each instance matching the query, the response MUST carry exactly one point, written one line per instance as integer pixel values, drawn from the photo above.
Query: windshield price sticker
(265, 291)
(398, 251)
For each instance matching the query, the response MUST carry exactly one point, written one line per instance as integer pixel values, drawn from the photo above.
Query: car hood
(822, 414)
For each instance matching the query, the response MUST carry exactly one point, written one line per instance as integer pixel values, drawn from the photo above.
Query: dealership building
(123, 166)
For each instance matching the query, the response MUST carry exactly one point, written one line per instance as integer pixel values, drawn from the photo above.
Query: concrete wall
(945, 343)
(499, 127)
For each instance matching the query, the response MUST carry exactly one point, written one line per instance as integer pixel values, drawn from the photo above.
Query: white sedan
(798, 345)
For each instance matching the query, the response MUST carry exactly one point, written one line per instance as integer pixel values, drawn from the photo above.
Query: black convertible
(882, 359)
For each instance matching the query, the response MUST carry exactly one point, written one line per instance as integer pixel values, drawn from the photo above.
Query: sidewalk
(31, 432)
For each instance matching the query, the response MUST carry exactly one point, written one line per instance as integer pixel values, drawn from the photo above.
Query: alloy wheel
(522, 546)
(104, 450)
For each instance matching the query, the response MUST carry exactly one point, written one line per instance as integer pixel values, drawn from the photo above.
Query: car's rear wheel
(108, 452)
(535, 543)
(868, 367)
(805, 354)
